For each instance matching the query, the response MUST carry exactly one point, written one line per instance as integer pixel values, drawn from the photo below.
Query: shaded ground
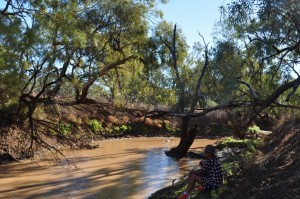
(275, 173)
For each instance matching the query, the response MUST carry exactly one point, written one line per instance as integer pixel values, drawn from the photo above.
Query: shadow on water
(133, 172)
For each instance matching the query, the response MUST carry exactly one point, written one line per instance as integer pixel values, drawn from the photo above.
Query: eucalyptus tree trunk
(82, 93)
(188, 136)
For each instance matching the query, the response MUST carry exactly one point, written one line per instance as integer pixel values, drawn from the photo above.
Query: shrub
(125, 128)
(64, 128)
(170, 129)
(253, 129)
(250, 145)
(95, 125)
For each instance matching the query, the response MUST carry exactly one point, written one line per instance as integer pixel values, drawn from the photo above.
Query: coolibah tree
(46, 43)
(264, 73)
(187, 136)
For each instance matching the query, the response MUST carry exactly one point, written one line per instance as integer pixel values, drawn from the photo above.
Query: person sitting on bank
(209, 176)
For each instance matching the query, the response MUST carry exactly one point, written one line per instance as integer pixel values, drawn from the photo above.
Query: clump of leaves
(121, 129)
(169, 128)
(64, 128)
(117, 130)
(250, 145)
(108, 130)
(254, 129)
(95, 125)
(124, 128)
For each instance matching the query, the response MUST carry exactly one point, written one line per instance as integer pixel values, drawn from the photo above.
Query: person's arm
(202, 162)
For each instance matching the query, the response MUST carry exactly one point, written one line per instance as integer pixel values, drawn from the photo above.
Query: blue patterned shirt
(211, 173)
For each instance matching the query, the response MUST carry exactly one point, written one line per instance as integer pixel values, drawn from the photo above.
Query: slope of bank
(271, 172)
(61, 125)
(275, 173)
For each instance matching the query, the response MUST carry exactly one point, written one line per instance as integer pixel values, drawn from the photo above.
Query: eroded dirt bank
(275, 173)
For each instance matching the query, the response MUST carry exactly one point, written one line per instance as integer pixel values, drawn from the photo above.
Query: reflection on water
(129, 168)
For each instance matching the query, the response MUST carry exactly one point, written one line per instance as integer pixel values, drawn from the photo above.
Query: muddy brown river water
(119, 169)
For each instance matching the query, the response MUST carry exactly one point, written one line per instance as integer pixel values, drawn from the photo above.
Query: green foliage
(117, 130)
(11, 77)
(53, 132)
(254, 129)
(64, 128)
(250, 145)
(108, 131)
(169, 128)
(125, 128)
(224, 71)
(215, 194)
(95, 125)
(263, 66)
(121, 129)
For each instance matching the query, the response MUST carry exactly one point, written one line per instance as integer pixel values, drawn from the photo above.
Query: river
(118, 169)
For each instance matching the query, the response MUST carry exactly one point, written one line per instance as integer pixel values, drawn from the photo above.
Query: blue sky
(193, 16)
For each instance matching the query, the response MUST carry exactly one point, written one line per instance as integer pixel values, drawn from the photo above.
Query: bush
(250, 145)
(121, 129)
(125, 128)
(64, 128)
(254, 129)
(95, 125)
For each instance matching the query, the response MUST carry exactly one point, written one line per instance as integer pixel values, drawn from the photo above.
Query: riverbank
(119, 168)
(70, 126)
(270, 171)
(232, 154)
(63, 125)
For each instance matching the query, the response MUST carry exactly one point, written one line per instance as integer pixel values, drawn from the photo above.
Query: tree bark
(187, 137)
(186, 140)
(81, 97)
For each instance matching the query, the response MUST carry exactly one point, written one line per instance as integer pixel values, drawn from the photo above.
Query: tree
(264, 63)
(12, 67)
(188, 135)
(272, 29)
(115, 29)
(169, 42)
(46, 43)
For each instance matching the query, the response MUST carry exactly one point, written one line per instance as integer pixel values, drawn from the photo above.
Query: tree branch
(197, 90)
(252, 91)
(295, 87)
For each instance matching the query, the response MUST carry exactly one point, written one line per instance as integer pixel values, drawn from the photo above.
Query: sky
(193, 17)
(196, 16)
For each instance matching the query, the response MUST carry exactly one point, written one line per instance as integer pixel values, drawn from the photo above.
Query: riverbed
(118, 169)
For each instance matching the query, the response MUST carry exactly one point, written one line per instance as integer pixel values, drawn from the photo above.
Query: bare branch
(252, 91)
(295, 87)
(197, 91)
(276, 104)
(3, 12)
(172, 49)
(293, 68)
